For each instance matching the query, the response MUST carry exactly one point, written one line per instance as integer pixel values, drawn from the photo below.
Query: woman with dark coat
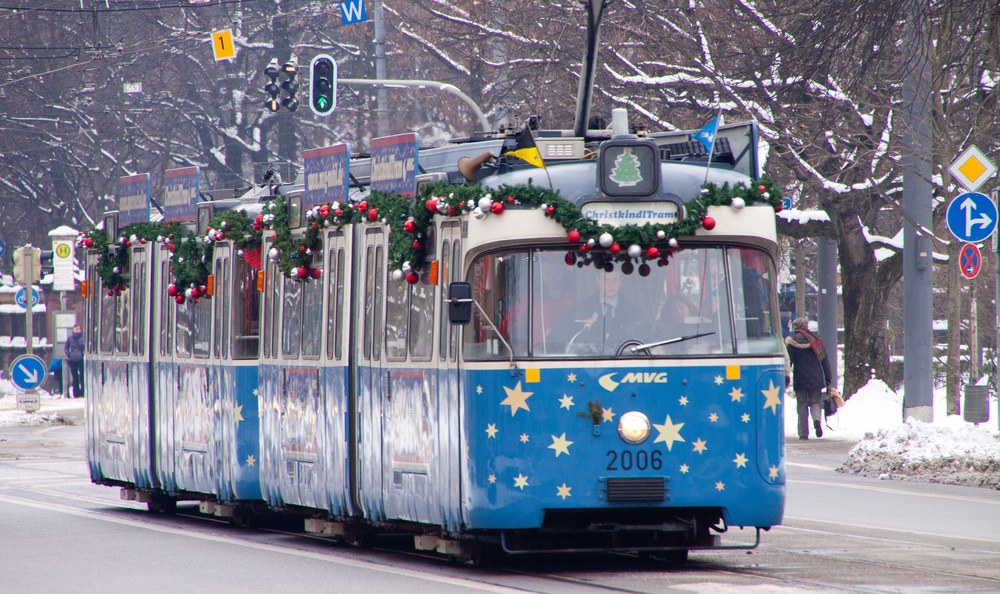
(811, 375)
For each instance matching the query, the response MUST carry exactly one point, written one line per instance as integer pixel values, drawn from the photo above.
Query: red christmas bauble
(416, 244)
(302, 248)
(550, 209)
(510, 200)
(171, 247)
(302, 272)
(652, 253)
(573, 236)
(452, 210)
(89, 242)
(410, 227)
(179, 299)
(315, 273)
(570, 258)
(778, 207)
(111, 292)
(761, 188)
(497, 208)
(259, 219)
(412, 278)
(324, 211)
(338, 212)
(432, 205)
(172, 290)
(363, 205)
(373, 214)
(708, 223)
(615, 248)
(195, 293)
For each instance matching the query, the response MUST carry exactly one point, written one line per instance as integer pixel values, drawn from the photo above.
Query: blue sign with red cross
(970, 261)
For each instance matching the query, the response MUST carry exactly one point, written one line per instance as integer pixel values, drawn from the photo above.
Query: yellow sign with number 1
(222, 43)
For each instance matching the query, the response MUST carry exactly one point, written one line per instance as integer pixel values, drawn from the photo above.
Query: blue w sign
(353, 11)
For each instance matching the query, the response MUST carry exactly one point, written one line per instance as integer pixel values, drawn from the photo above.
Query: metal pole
(588, 69)
(917, 258)
(29, 277)
(383, 103)
(827, 306)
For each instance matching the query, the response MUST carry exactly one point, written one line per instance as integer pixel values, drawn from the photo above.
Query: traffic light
(271, 88)
(46, 265)
(323, 82)
(23, 258)
(291, 68)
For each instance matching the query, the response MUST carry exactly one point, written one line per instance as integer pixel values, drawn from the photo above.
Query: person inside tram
(600, 322)
(676, 312)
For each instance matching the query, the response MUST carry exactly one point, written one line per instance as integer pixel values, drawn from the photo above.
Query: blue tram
(594, 364)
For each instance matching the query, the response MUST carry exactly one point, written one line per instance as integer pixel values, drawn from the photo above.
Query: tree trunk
(800, 280)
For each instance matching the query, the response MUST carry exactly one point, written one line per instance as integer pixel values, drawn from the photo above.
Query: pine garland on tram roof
(408, 222)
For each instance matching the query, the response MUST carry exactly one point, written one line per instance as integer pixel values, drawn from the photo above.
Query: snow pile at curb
(951, 452)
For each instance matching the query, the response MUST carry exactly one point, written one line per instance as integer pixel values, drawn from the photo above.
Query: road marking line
(371, 566)
(897, 491)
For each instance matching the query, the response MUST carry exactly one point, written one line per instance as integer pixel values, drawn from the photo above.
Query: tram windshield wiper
(649, 345)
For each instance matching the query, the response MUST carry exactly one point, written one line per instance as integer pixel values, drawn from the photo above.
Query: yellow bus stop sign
(222, 44)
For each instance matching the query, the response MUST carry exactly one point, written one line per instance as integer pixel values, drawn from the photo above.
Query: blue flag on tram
(706, 135)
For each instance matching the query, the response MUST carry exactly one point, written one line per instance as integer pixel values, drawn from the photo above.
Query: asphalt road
(58, 532)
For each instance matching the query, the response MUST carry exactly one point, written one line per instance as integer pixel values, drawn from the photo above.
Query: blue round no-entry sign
(27, 372)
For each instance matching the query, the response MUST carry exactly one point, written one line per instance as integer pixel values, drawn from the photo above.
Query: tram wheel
(487, 554)
(167, 505)
(674, 557)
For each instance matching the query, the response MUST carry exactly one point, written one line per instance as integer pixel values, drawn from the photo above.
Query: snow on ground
(947, 450)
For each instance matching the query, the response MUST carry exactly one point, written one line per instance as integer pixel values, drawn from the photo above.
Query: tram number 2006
(637, 459)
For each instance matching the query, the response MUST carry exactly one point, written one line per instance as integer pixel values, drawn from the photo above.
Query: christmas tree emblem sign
(626, 172)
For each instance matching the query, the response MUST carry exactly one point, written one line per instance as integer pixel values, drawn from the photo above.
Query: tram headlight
(633, 427)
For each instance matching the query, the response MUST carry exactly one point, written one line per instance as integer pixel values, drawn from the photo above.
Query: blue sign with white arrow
(3, 248)
(21, 297)
(27, 372)
(972, 217)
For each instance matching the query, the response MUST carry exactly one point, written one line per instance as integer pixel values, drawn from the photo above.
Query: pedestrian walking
(74, 355)
(811, 375)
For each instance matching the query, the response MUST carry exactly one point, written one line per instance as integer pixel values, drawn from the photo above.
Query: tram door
(449, 403)
(93, 364)
(221, 376)
(369, 385)
(339, 446)
(139, 379)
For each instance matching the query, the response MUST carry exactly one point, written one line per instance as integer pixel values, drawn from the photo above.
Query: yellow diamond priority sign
(972, 168)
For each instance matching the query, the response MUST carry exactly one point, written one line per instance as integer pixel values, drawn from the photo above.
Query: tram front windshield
(711, 300)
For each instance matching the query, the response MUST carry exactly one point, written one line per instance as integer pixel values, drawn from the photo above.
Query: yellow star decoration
(516, 399)
(773, 395)
(479, 389)
(684, 469)
(520, 481)
(524, 438)
(669, 433)
(745, 418)
(683, 401)
(720, 486)
(251, 460)
(560, 445)
(566, 402)
(772, 472)
(740, 460)
(493, 479)
(700, 446)
(239, 414)
(737, 395)
(718, 380)
(607, 415)
(256, 392)
(563, 491)
(491, 430)
(571, 377)
(713, 418)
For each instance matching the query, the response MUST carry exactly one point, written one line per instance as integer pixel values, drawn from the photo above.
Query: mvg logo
(635, 377)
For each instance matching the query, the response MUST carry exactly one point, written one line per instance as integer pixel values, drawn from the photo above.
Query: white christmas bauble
(672, 243)
(661, 234)
(397, 275)
(335, 206)
(704, 191)
(478, 213)
(485, 203)
(738, 204)
(543, 206)
(406, 268)
(223, 224)
(272, 253)
(240, 253)
(606, 239)
(591, 242)
(188, 292)
(134, 239)
(766, 195)
(634, 251)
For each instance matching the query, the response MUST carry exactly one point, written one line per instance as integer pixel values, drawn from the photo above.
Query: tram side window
(338, 346)
(333, 279)
(456, 275)
(445, 327)
(274, 301)
(202, 328)
(219, 289)
(312, 313)
(369, 301)
(226, 317)
(377, 327)
(107, 321)
(184, 333)
(395, 319)
(499, 285)
(291, 316)
(246, 311)
(93, 330)
(422, 302)
(122, 319)
(166, 324)
(139, 310)
(754, 301)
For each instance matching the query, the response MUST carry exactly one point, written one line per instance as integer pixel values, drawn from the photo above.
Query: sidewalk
(53, 410)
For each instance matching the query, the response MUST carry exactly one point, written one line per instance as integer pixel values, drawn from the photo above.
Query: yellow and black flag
(525, 148)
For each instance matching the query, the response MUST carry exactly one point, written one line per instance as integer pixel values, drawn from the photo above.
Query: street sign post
(972, 217)
(27, 372)
(970, 261)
